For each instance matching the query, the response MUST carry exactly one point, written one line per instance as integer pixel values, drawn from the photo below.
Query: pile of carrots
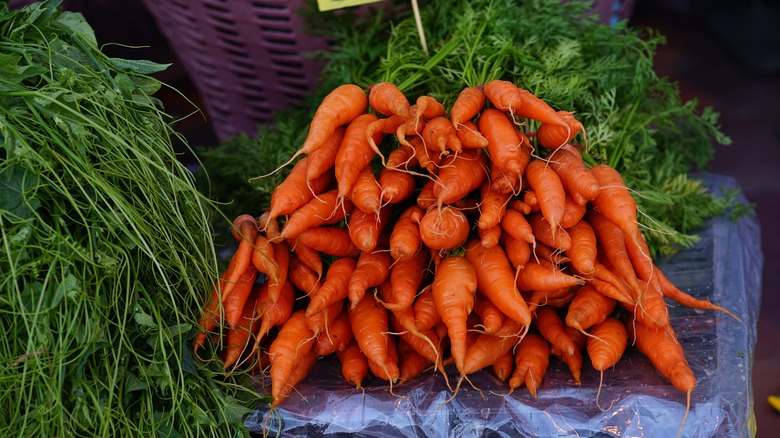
(409, 237)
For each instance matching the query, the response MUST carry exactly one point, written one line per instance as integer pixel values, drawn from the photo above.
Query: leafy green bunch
(106, 248)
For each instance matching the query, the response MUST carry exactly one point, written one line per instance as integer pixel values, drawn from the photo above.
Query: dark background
(724, 53)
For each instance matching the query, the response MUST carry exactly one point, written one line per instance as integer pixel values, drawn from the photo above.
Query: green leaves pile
(634, 120)
(106, 251)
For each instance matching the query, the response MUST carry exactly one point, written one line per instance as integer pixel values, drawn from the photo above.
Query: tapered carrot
(671, 291)
(411, 363)
(440, 137)
(503, 95)
(270, 313)
(334, 288)
(505, 182)
(263, 257)
(339, 107)
(364, 229)
(470, 137)
(545, 232)
(327, 207)
(583, 249)
(459, 175)
(387, 370)
(234, 303)
(607, 344)
(406, 277)
(552, 255)
(573, 361)
(492, 206)
(371, 270)
(369, 321)
(323, 159)
(615, 202)
(334, 241)
(539, 277)
(319, 322)
(518, 252)
(487, 349)
(588, 308)
(549, 191)
(395, 185)
(550, 326)
(244, 230)
(302, 277)
(490, 237)
(385, 98)
(405, 238)
(504, 144)
(613, 241)
(300, 370)
(296, 190)
(444, 228)
(308, 256)
(531, 200)
(426, 108)
(366, 194)
(553, 136)
(355, 153)
(470, 101)
(354, 365)
(496, 281)
(535, 108)
(293, 341)
(211, 315)
(425, 314)
(531, 361)
(237, 338)
(503, 366)
(573, 212)
(269, 225)
(282, 259)
(402, 158)
(335, 337)
(426, 159)
(516, 225)
(491, 318)
(576, 178)
(454, 288)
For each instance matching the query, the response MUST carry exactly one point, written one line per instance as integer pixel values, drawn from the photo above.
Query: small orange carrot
(336, 337)
(333, 241)
(470, 137)
(301, 369)
(454, 288)
(553, 136)
(588, 308)
(263, 257)
(427, 108)
(505, 182)
(573, 212)
(405, 238)
(355, 153)
(296, 190)
(370, 271)
(425, 314)
(395, 185)
(402, 158)
(504, 143)
(573, 361)
(492, 207)
(607, 343)
(531, 361)
(439, 136)
(503, 366)
(487, 349)
(549, 191)
(386, 99)
(234, 303)
(470, 101)
(319, 322)
(282, 259)
(517, 225)
(366, 194)
(460, 174)
(370, 326)
(237, 338)
(269, 226)
(490, 316)
(582, 252)
(550, 326)
(308, 256)
(271, 313)
(536, 109)
(443, 228)
(615, 202)
(503, 95)
(577, 179)
(324, 208)
(671, 291)
(293, 341)
(244, 230)
(490, 237)
(302, 277)
(496, 281)
(546, 233)
(406, 277)
(518, 252)
(354, 365)
(334, 288)
(323, 159)
(411, 363)
(364, 229)
(538, 277)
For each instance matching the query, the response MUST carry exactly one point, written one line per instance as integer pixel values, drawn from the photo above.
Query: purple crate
(245, 58)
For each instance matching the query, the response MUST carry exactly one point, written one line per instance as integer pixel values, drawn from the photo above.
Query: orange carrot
(212, 313)
(425, 197)
(487, 349)
(573, 361)
(319, 322)
(269, 225)
(505, 182)
(308, 256)
(573, 212)
(503, 95)
(454, 288)
(490, 316)
(355, 153)
(427, 108)
(496, 281)
(234, 303)
(366, 195)
(385, 98)
(401, 157)
(615, 202)
(301, 369)
(293, 341)
(607, 343)
(671, 291)
(553, 136)
(425, 314)
(271, 313)
(460, 174)
(582, 251)
(406, 276)
(364, 229)
(323, 159)
(296, 190)
(395, 185)
(369, 321)
(504, 144)
(244, 230)
(354, 365)
(237, 338)
(411, 363)
(282, 258)
(549, 192)
(613, 241)
(339, 107)
(387, 370)
(334, 241)
(531, 200)
(535, 108)
(371, 270)
(492, 207)
(263, 257)
(550, 326)
(302, 277)
(546, 233)
(470, 101)
(588, 308)
(444, 228)
(335, 337)
(531, 361)
(576, 178)
(439, 136)
(334, 288)
(503, 366)
(470, 137)
(518, 252)
(490, 237)
(538, 277)
(325, 208)
(405, 238)
(516, 225)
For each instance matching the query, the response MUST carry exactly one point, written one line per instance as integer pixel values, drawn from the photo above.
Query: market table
(724, 266)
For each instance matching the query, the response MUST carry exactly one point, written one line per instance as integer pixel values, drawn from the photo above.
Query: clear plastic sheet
(635, 400)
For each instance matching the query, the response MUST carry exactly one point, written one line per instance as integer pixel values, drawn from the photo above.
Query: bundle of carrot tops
(411, 237)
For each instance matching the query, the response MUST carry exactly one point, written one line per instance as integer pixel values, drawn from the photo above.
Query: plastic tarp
(634, 400)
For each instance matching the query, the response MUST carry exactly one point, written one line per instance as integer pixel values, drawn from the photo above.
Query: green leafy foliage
(105, 247)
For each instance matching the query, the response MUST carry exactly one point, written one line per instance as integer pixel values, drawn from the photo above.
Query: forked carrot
(370, 326)
(335, 286)
(371, 270)
(293, 342)
(549, 191)
(454, 289)
(531, 361)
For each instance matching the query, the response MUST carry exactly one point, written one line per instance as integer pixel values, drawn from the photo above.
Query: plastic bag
(635, 400)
